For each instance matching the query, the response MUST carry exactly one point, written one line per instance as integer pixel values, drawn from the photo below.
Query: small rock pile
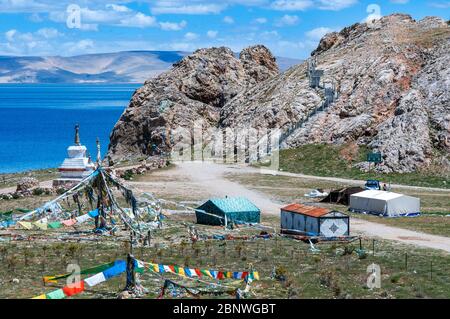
(144, 167)
(26, 187)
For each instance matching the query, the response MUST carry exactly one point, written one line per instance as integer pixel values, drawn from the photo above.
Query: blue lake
(37, 120)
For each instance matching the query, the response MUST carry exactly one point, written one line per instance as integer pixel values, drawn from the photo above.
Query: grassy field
(334, 272)
(11, 179)
(337, 161)
(435, 205)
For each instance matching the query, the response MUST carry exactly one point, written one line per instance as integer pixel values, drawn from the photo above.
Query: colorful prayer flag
(54, 225)
(69, 222)
(93, 213)
(74, 288)
(26, 225)
(95, 280)
(82, 218)
(56, 294)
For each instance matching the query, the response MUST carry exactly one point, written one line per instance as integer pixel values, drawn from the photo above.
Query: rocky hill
(196, 87)
(391, 76)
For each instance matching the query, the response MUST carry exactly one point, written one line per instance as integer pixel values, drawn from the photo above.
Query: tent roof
(306, 210)
(234, 204)
(375, 194)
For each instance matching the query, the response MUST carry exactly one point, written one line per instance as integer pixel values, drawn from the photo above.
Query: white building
(77, 165)
(384, 203)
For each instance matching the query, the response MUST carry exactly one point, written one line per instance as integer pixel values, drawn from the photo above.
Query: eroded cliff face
(392, 77)
(196, 87)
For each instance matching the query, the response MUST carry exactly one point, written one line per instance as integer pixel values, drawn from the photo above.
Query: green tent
(236, 209)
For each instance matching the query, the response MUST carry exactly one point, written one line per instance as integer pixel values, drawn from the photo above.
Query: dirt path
(354, 182)
(210, 178)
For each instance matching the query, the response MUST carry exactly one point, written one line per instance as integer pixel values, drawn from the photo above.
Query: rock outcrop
(196, 87)
(392, 77)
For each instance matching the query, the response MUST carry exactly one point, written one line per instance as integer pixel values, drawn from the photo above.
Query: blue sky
(290, 28)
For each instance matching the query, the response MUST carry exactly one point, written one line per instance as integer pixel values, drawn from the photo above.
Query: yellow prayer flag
(40, 297)
(26, 225)
(41, 225)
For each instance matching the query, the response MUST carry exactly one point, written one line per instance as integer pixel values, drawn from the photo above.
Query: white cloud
(318, 33)
(19, 43)
(9, 35)
(118, 8)
(228, 20)
(173, 26)
(174, 7)
(400, 1)
(110, 15)
(287, 20)
(89, 27)
(82, 46)
(139, 20)
(269, 35)
(302, 5)
(292, 5)
(190, 36)
(335, 5)
(441, 5)
(260, 20)
(36, 17)
(48, 33)
(212, 34)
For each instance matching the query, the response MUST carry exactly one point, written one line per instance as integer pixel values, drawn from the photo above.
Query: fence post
(131, 277)
(406, 261)
(431, 270)
(373, 247)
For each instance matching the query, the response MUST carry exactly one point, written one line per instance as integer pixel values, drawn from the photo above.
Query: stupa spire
(99, 156)
(77, 135)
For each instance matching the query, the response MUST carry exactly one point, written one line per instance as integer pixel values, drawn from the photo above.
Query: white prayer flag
(95, 280)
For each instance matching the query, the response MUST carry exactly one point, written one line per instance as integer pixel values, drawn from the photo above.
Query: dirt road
(210, 178)
(347, 181)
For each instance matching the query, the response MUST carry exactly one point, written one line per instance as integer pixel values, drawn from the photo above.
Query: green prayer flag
(55, 225)
(57, 294)
(23, 210)
(139, 270)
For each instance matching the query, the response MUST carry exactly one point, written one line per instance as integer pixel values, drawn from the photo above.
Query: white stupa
(77, 165)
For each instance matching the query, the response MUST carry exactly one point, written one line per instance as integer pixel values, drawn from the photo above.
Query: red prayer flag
(74, 288)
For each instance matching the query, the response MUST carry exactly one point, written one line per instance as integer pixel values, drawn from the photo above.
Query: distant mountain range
(120, 67)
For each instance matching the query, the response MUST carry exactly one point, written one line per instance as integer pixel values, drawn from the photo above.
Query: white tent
(384, 203)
